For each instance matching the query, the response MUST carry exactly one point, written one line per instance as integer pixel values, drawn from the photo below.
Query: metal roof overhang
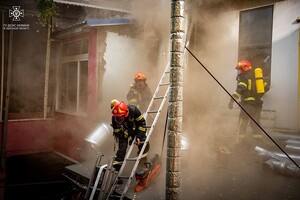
(87, 24)
(108, 22)
(84, 26)
(104, 5)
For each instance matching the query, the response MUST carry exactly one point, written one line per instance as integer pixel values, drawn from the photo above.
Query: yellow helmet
(113, 103)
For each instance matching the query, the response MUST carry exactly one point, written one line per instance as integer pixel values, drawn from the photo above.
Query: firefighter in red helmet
(250, 100)
(139, 93)
(128, 122)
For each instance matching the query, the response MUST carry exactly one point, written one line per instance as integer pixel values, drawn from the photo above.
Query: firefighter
(128, 122)
(139, 93)
(250, 100)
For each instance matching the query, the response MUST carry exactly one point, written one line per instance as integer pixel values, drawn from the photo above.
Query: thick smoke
(204, 101)
(209, 126)
(143, 49)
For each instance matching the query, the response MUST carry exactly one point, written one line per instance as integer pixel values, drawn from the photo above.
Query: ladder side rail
(121, 169)
(156, 90)
(144, 146)
(134, 167)
(97, 163)
(97, 181)
(146, 141)
(127, 156)
(113, 186)
(107, 173)
(110, 182)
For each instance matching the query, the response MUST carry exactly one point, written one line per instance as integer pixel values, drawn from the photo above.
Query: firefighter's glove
(138, 141)
(230, 104)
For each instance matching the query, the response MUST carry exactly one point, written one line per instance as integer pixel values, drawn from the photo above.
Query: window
(255, 38)
(73, 73)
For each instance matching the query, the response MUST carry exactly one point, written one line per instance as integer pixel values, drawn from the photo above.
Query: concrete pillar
(173, 174)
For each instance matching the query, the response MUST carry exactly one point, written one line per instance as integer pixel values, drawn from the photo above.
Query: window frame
(260, 53)
(65, 60)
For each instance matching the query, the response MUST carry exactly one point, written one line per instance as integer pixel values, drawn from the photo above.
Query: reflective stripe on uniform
(237, 94)
(126, 134)
(250, 99)
(141, 128)
(117, 130)
(243, 84)
(132, 101)
(249, 84)
(139, 118)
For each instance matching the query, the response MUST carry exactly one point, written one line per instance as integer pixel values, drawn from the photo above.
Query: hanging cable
(241, 106)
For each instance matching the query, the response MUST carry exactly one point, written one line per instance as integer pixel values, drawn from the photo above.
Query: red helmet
(120, 111)
(243, 65)
(140, 76)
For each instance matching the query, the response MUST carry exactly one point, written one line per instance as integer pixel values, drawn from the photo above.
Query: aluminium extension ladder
(160, 95)
(107, 176)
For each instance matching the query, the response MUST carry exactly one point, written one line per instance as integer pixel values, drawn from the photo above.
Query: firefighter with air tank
(250, 89)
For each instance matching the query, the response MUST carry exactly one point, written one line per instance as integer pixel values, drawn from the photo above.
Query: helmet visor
(119, 120)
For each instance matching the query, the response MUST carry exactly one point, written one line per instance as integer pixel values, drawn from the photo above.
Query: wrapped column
(173, 173)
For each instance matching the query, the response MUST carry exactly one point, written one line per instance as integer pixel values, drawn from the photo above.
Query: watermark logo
(16, 13)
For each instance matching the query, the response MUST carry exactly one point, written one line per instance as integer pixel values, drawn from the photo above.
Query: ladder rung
(131, 159)
(149, 126)
(114, 195)
(153, 111)
(167, 72)
(164, 84)
(161, 97)
(123, 177)
(92, 187)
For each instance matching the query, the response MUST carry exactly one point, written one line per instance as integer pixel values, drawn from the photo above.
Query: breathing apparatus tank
(260, 86)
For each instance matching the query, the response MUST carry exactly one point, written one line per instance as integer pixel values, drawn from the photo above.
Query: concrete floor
(241, 174)
(206, 173)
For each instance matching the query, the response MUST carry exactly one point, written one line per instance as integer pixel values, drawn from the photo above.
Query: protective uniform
(139, 93)
(128, 122)
(250, 100)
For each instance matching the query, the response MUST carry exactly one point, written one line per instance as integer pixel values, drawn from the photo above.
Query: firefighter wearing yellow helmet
(250, 92)
(139, 93)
